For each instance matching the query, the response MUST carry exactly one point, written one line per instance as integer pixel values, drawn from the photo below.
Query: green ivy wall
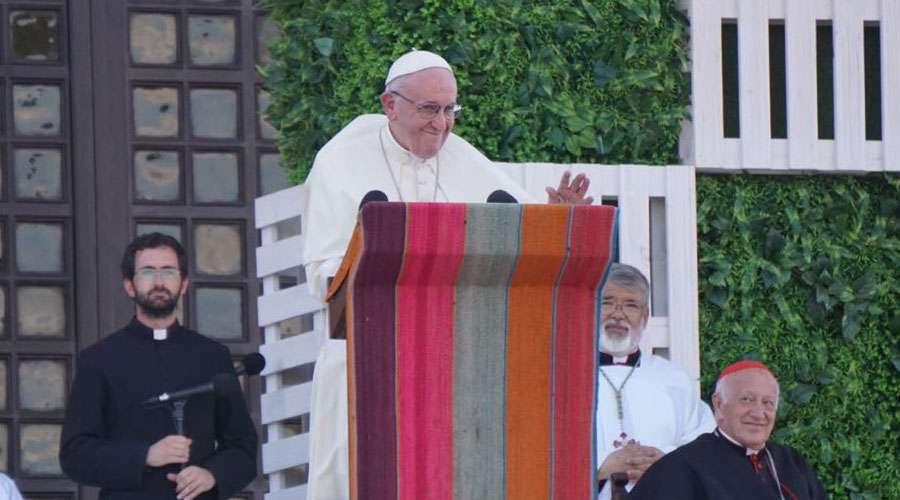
(801, 272)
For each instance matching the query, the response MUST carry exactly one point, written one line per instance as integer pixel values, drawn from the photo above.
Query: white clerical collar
(749, 451)
(160, 334)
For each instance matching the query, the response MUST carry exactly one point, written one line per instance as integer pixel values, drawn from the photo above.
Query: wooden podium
(472, 344)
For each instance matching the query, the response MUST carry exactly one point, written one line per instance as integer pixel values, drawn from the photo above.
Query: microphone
(221, 384)
(373, 195)
(252, 364)
(501, 196)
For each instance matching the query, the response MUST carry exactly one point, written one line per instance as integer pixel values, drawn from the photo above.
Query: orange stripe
(351, 262)
(543, 247)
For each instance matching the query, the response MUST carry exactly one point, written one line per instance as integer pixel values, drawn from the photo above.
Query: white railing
(284, 450)
(703, 141)
(656, 234)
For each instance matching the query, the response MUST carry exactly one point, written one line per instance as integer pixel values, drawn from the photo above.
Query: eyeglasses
(630, 308)
(149, 273)
(430, 110)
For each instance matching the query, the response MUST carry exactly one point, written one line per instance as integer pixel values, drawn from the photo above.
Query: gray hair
(629, 277)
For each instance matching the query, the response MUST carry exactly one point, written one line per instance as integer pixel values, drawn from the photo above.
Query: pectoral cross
(623, 441)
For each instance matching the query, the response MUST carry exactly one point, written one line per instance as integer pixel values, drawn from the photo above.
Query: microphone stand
(177, 410)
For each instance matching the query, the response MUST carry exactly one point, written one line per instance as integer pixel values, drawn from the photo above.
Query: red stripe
(425, 296)
(574, 350)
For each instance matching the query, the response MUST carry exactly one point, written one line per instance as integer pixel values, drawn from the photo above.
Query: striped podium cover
(472, 349)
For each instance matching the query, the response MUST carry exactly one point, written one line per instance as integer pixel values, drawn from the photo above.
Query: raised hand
(573, 192)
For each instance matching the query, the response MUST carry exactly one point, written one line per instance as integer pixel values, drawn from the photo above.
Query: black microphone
(221, 384)
(373, 195)
(252, 364)
(501, 196)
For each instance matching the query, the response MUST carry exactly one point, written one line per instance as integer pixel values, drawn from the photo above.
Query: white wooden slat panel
(774, 9)
(285, 453)
(279, 256)
(870, 10)
(288, 402)
(825, 153)
(291, 352)
(292, 493)
(800, 69)
(515, 171)
(274, 431)
(706, 82)
(778, 153)
(849, 106)
(824, 10)
(604, 178)
(731, 153)
(681, 221)
(874, 155)
(753, 76)
(728, 9)
(285, 304)
(280, 205)
(890, 84)
(656, 334)
(634, 217)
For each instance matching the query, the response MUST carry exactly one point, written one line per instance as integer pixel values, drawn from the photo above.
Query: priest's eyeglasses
(429, 110)
(166, 273)
(630, 308)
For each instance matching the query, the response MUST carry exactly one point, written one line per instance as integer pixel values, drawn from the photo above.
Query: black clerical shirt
(712, 468)
(107, 432)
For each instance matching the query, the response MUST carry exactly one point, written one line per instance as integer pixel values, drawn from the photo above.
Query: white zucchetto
(413, 61)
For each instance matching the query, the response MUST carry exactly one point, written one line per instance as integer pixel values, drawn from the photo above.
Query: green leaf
(603, 73)
(802, 393)
(576, 123)
(774, 244)
(324, 45)
(850, 323)
(864, 287)
(632, 51)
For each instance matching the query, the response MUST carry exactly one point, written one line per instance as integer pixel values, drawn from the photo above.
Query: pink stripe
(425, 350)
(574, 347)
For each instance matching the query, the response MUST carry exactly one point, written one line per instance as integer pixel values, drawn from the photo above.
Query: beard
(158, 306)
(619, 343)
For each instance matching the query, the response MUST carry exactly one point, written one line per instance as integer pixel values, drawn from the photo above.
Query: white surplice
(661, 405)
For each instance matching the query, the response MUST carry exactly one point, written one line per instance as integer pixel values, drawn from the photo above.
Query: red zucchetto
(744, 364)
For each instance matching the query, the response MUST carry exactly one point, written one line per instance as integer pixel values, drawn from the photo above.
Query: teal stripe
(479, 349)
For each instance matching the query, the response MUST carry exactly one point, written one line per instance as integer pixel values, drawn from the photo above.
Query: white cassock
(364, 157)
(662, 408)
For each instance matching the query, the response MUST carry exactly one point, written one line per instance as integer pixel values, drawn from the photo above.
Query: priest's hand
(633, 459)
(169, 450)
(192, 481)
(574, 193)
